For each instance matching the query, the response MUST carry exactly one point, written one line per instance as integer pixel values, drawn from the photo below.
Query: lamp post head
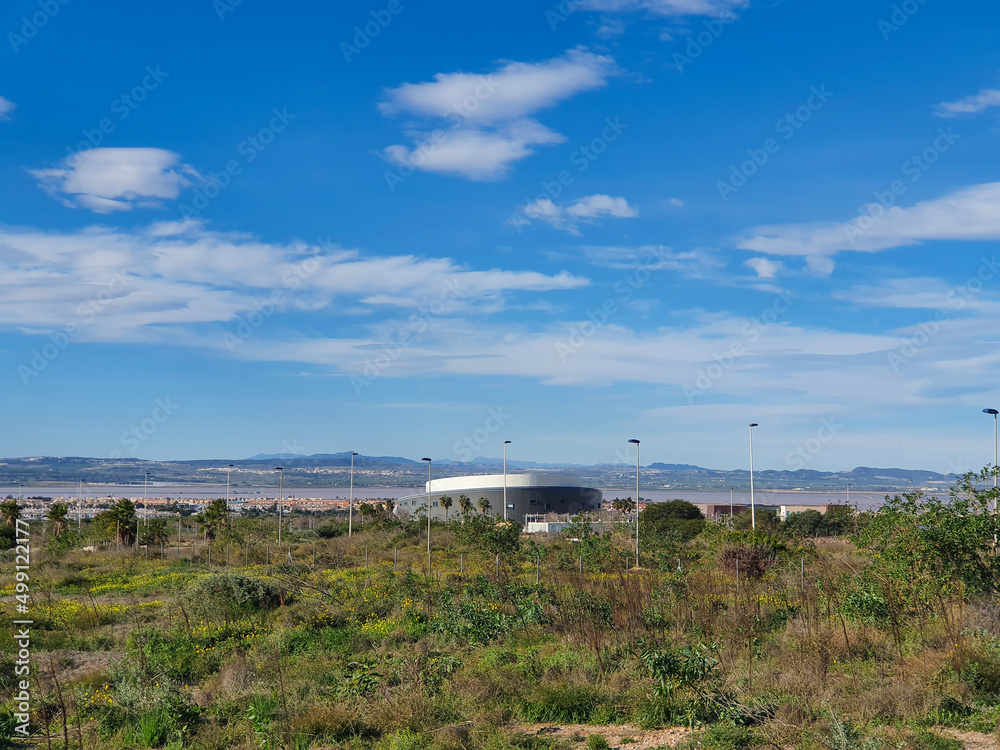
(426, 459)
(278, 468)
(633, 440)
(506, 442)
(354, 453)
(994, 412)
(230, 466)
(754, 424)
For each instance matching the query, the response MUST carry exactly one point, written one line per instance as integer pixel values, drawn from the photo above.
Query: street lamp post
(145, 497)
(753, 511)
(505, 444)
(79, 508)
(994, 412)
(350, 501)
(633, 440)
(428, 515)
(281, 497)
(229, 470)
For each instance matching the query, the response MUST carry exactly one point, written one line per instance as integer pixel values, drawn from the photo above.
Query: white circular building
(527, 494)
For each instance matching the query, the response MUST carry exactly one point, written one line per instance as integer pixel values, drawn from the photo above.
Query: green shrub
(233, 595)
(728, 736)
(404, 739)
(562, 703)
(332, 530)
(597, 742)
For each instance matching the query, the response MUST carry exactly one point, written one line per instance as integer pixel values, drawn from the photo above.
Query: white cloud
(764, 267)
(116, 179)
(714, 8)
(488, 117)
(6, 107)
(515, 90)
(675, 202)
(475, 154)
(970, 104)
(568, 216)
(969, 214)
(180, 274)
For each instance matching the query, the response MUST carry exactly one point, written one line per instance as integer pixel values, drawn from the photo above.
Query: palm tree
(57, 515)
(445, 501)
(484, 505)
(465, 504)
(123, 514)
(390, 506)
(623, 505)
(10, 511)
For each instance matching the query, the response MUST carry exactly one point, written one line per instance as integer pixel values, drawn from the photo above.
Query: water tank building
(527, 494)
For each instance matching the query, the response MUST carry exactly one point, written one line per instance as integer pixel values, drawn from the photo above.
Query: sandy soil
(641, 739)
(972, 740)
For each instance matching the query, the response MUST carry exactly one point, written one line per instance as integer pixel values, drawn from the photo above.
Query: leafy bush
(234, 595)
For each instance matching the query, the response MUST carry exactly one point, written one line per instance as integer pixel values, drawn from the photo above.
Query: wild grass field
(853, 631)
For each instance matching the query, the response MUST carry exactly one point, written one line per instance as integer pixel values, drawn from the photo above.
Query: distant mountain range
(332, 470)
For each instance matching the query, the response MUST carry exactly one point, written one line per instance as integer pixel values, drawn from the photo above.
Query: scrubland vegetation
(854, 631)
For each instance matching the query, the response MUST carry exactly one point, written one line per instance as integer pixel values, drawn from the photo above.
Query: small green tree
(677, 519)
(838, 520)
(806, 523)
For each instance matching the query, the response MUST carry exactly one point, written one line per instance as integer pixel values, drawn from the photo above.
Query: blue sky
(418, 228)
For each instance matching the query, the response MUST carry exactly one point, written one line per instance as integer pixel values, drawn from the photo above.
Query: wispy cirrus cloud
(969, 214)
(105, 180)
(970, 105)
(6, 107)
(489, 116)
(668, 7)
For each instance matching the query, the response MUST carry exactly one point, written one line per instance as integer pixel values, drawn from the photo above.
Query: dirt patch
(972, 740)
(72, 666)
(623, 736)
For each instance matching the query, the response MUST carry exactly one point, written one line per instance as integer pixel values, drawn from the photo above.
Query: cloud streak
(970, 105)
(967, 215)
